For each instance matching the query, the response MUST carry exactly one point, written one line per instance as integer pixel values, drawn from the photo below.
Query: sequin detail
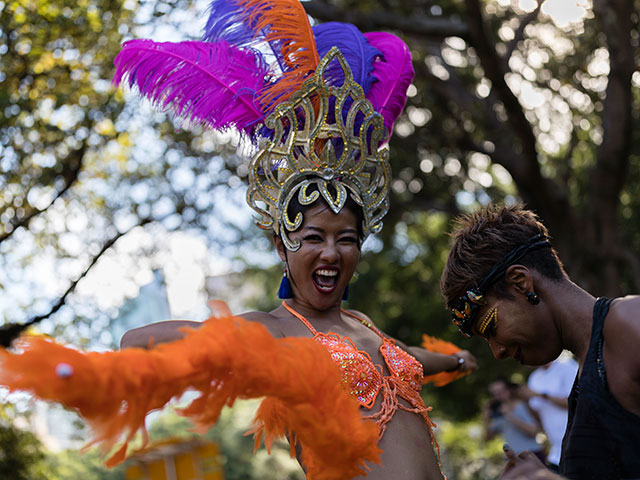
(402, 364)
(360, 377)
(364, 379)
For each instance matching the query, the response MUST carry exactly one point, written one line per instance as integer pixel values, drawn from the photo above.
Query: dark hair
(350, 204)
(512, 386)
(483, 238)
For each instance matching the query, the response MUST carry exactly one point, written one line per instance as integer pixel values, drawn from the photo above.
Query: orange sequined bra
(365, 379)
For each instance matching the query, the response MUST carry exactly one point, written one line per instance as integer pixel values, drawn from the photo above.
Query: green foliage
(73, 465)
(465, 453)
(24, 457)
(57, 109)
(236, 448)
(21, 454)
(79, 166)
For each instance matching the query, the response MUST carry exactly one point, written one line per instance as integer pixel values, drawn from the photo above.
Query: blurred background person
(547, 390)
(508, 415)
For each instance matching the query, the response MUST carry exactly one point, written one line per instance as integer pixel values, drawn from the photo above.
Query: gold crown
(326, 134)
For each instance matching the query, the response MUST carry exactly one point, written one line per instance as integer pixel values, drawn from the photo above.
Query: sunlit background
(82, 164)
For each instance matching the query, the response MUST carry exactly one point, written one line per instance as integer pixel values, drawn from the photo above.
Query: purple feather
(360, 55)
(229, 22)
(216, 84)
(393, 72)
(236, 25)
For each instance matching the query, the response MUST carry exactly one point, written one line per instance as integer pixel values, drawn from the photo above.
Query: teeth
(326, 273)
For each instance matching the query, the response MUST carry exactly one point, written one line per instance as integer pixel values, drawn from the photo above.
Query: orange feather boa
(227, 358)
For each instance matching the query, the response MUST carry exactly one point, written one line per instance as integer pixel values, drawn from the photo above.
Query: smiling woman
(330, 248)
(319, 118)
(504, 280)
(320, 181)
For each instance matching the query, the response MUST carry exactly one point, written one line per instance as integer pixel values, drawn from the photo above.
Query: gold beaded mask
(326, 135)
(486, 326)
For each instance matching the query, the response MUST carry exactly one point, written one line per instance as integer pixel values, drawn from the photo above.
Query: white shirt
(556, 381)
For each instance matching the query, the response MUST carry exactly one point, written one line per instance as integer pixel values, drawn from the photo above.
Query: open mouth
(325, 279)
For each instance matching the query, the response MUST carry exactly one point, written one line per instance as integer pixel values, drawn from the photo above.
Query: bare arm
(525, 427)
(155, 333)
(527, 394)
(171, 330)
(562, 402)
(437, 362)
(432, 362)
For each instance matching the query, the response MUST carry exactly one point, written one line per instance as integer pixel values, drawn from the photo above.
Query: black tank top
(602, 441)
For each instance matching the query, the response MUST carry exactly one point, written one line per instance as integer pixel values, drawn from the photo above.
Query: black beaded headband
(466, 309)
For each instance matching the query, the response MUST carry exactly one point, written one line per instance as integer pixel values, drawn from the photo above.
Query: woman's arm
(437, 362)
(526, 393)
(170, 330)
(529, 428)
(155, 333)
(432, 362)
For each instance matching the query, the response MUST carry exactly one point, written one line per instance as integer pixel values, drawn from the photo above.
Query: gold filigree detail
(328, 135)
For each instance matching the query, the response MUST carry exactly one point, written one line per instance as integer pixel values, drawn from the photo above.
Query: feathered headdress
(318, 103)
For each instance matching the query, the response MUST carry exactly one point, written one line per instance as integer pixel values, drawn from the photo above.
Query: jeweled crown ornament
(317, 103)
(328, 135)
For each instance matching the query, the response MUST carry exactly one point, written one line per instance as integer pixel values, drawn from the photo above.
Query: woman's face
(499, 391)
(321, 268)
(521, 331)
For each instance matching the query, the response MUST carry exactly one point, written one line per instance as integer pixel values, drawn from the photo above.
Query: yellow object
(177, 459)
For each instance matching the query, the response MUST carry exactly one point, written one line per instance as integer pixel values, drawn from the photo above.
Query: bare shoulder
(628, 306)
(363, 316)
(366, 318)
(625, 316)
(622, 330)
(269, 320)
(621, 339)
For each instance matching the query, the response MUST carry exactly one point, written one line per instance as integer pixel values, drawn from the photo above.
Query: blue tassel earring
(345, 295)
(285, 287)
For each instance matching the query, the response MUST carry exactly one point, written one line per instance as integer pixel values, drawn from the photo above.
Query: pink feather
(213, 83)
(393, 72)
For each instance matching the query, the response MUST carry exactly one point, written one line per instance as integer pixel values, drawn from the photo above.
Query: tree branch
(482, 111)
(495, 72)
(519, 33)
(539, 193)
(10, 332)
(608, 175)
(419, 25)
(70, 177)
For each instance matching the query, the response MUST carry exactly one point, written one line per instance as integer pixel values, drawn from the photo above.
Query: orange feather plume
(285, 23)
(227, 358)
(438, 345)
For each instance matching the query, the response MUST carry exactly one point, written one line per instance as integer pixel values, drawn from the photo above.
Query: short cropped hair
(483, 238)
